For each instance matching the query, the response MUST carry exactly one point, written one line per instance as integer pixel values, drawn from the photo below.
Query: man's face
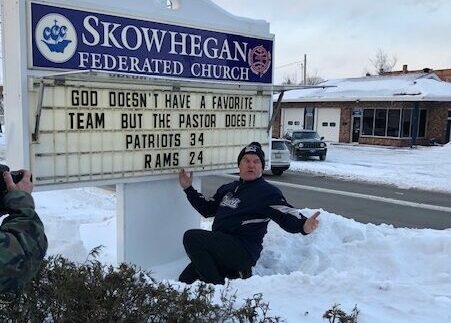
(250, 167)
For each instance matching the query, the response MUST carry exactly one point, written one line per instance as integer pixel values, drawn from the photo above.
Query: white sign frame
(151, 211)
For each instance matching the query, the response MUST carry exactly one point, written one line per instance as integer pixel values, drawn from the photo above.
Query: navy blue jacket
(243, 209)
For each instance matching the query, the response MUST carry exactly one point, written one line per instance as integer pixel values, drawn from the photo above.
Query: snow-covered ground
(427, 168)
(392, 275)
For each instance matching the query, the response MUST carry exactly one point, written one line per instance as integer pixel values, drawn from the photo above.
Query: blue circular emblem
(56, 38)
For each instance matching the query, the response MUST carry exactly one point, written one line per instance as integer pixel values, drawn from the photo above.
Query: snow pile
(78, 220)
(390, 274)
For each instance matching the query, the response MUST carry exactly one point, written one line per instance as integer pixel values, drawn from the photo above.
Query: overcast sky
(340, 36)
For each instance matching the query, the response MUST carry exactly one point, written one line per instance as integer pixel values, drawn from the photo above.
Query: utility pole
(301, 77)
(305, 69)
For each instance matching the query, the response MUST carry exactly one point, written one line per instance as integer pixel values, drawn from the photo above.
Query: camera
(16, 175)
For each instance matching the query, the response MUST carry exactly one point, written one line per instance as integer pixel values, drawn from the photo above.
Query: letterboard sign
(100, 131)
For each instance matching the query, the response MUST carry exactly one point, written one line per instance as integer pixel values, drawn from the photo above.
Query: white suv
(280, 156)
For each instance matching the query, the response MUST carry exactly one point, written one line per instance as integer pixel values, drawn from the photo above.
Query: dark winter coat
(22, 242)
(243, 209)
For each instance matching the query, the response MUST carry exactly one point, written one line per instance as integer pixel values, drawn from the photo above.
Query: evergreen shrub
(64, 291)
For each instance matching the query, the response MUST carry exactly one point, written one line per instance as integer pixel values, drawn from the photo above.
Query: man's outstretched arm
(289, 218)
(205, 206)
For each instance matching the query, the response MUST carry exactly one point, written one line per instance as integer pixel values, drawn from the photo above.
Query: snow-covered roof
(406, 87)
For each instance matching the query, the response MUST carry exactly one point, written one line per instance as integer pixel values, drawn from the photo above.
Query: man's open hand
(185, 179)
(311, 223)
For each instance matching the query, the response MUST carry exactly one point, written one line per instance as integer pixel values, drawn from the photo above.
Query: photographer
(22, 239)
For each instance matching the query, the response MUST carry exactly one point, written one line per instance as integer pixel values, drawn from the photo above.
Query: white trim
(255, 221)
(287, 210)
(405, 98)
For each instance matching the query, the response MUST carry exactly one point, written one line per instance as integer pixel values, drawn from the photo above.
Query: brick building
(393, 110)
(442, 74)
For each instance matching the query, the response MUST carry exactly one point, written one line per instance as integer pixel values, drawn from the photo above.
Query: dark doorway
(356, 122)
(309, 118)
(448, 131)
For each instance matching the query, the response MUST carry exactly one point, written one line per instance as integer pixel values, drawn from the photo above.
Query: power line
(289, 64)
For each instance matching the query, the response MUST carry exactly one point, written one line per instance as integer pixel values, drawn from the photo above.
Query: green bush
(63, 291)
(336, 314)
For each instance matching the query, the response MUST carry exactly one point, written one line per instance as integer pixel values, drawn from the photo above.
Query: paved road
(366, 203)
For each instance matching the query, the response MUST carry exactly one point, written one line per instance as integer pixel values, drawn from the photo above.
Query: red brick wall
(345, 124)
(405, 142)
(437, 120)
(444, 74)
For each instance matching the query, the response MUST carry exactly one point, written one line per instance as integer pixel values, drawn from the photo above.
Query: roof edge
(372, 99)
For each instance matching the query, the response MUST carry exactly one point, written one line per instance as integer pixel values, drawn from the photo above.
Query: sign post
(127, 100)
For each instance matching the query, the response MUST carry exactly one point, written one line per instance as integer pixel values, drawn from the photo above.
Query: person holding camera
(241, 211)
(23, 243)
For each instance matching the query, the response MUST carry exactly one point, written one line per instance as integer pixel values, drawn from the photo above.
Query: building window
(422, 124)
(405, 126)
(290, 123)
(332, 124)
(296, 123)
(368, 122)
(380, 122)
(325, 124)
(393, 122)
(449, 114)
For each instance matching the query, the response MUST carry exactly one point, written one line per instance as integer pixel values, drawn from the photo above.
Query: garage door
(292, 119)
(328, 123)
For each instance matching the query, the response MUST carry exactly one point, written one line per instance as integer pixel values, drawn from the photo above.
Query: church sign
(74, 39)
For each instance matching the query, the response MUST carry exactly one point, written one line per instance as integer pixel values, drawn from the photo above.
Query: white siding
(294, 115)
